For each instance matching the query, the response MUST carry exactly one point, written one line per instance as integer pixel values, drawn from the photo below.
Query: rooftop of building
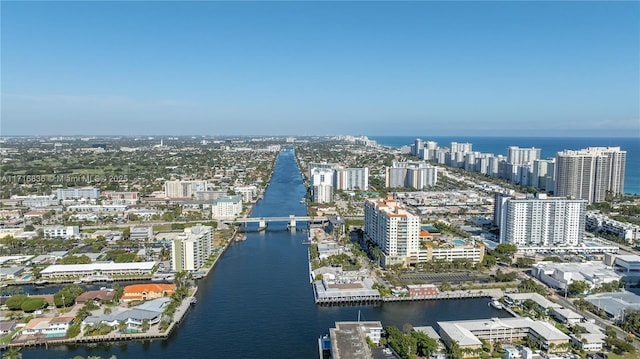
(462, 331)
(348, 339)
(149, 287)
(146, 266)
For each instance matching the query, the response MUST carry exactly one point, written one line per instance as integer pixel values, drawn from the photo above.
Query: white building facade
(394, 230)
(226, 207)
(191, 249)
(541, 221)
(590, 173)
(352, 178)
(183, 189)
(321, 185)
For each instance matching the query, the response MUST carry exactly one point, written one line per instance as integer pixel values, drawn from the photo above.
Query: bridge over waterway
(292, 219)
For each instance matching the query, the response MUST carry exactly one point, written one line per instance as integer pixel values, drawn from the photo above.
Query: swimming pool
(26, 277)
(459, 242)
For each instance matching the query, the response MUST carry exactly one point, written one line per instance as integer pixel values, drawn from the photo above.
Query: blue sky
(316, 68)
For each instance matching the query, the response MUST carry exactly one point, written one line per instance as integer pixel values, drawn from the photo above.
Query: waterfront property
(103, 295)
(328, 292)
(190, 249)
(97, 269)
(150, 311)
(49, 327)
(147, 291)
(393, 229)
(349, 340)
(469, 332)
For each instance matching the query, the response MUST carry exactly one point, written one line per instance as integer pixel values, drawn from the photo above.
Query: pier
(359, 299)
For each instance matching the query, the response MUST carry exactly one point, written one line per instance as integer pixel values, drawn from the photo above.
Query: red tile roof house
(147, 291)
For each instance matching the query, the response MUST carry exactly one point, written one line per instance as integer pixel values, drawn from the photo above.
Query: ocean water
(549, 147)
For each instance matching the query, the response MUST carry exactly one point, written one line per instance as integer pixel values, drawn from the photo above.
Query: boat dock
(337, 300)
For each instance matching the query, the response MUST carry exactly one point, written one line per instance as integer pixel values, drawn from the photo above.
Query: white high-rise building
(540, 221)
(590, 173)
(322, 185)
(418, 145)
(247, 192)
(321, 166)
(543, 176)
(394, 230)
(352, 178)
(226, 207)
(417, 175)
(77, 193)
(191, 249)
(461, 147)
(183, 189)
(520, 162)
(522, 156)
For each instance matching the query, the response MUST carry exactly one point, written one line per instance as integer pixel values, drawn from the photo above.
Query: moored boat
(495, 303)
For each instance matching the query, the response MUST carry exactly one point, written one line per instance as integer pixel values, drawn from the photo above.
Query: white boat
(495, 303)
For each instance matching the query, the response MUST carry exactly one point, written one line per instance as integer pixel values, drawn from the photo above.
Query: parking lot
(451, 277)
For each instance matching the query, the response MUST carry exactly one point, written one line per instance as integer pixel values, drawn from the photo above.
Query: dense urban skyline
(266, 68)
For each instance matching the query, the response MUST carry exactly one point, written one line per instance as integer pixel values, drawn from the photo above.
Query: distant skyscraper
(183, 189)
(417, 146)
(417, 175)
(519, 161)
(352, 178)
(522, 156)
(543, 175)
(589, 173)
(461, 147)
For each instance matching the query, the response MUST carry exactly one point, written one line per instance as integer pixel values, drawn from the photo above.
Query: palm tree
(454, 350)
(12, 353)
(122, 326)
(145, 325)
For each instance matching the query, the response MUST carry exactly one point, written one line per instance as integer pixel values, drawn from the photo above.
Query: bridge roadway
(280, 219)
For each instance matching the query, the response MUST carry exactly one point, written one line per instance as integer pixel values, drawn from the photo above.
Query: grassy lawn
(625, 356)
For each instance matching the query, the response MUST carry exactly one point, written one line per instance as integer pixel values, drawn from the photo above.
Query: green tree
(631, 322)
(577, 287)
(145, 326)
(425, 344)
(73, 331)
(83, 259)
(454, 350)
(15, 302)
(33, 304)
(12, 353)
(122, 326)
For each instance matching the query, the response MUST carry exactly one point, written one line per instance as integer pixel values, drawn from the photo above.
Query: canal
(257, 302)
